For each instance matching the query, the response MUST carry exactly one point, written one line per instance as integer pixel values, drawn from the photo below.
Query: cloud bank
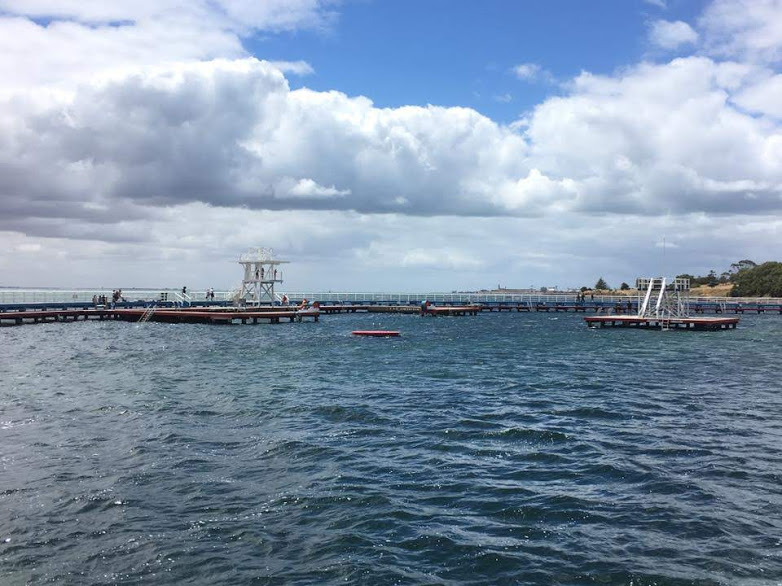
(113, 122)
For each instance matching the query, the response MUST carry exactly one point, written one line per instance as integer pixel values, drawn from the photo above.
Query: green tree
(742, 265)
(624, 286)
(765, 279)
(601, 284)
(738, 267)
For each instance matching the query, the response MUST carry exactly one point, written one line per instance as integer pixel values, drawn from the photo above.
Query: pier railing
(499, 298)
(28, 296)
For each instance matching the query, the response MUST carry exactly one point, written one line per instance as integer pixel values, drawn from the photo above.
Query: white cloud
(80, 39)
(308, 188)
(154, 151)
(526, 70)
(660, 138)
(231, 133)
(532, 72)
(197, 245)
(744, 29)
(763, 97)
(657, 138)
(238, 15)
(293, 67)
(444, 258)
(671, 35)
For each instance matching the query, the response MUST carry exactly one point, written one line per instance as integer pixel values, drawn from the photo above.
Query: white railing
(9, 296)
(524, 298)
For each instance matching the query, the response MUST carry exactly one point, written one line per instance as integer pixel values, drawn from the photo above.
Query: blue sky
(449, 53)
(391, 145)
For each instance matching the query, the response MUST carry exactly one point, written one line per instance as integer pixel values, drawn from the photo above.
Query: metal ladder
(147, 314)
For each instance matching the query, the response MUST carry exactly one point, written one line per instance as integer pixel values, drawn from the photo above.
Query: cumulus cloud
(67, 42)
(671, 35)
(744, 29)
(293, 67)
(763, 97)
(143, 132)
(660, 138)
(308, 188)
(657, 139)
(531, 72)
(197, 245)
(233, 133)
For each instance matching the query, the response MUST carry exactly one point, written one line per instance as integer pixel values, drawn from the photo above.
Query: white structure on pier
(261, 272)
(659, 297)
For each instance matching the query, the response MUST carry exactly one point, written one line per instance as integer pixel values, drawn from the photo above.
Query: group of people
(210, 294)
(259, 273)
(581, 297)
(116, 296)
(305, 304)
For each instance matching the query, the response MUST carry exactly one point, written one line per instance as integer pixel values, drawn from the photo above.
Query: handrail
(11, 296)
(648, 295)
(659, 297)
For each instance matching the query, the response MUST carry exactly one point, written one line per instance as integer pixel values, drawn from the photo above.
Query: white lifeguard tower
(659, 297)
(261, 273)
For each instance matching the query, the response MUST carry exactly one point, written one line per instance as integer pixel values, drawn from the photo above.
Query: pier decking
(198, 315)
(452, 310)
(663, 323)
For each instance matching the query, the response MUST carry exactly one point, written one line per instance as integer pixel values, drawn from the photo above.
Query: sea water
(495, 449)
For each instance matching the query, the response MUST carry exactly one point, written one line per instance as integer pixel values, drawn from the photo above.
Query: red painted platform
(683, 323)
(376, 333)
(184, 315)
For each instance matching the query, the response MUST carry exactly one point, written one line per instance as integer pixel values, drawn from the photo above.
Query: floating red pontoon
(376, 333)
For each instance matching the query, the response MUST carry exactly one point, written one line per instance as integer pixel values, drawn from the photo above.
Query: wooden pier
(449, 310)
(184, 315)
(445, 310)
(662, 323)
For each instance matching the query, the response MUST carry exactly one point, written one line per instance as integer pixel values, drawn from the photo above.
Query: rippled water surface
(496, 449)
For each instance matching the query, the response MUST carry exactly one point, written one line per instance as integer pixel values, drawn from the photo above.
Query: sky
(383, 145)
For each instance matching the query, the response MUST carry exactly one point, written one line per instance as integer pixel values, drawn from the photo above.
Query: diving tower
(262, 271)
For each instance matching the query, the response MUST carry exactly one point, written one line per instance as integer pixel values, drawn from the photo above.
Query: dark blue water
(496, 449)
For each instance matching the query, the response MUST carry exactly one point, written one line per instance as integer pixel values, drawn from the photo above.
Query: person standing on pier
(424, 307)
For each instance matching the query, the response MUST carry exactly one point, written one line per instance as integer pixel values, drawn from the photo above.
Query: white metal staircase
(183, 299)
(147, 314)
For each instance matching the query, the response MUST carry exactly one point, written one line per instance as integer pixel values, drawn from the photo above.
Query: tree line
(748, 278)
